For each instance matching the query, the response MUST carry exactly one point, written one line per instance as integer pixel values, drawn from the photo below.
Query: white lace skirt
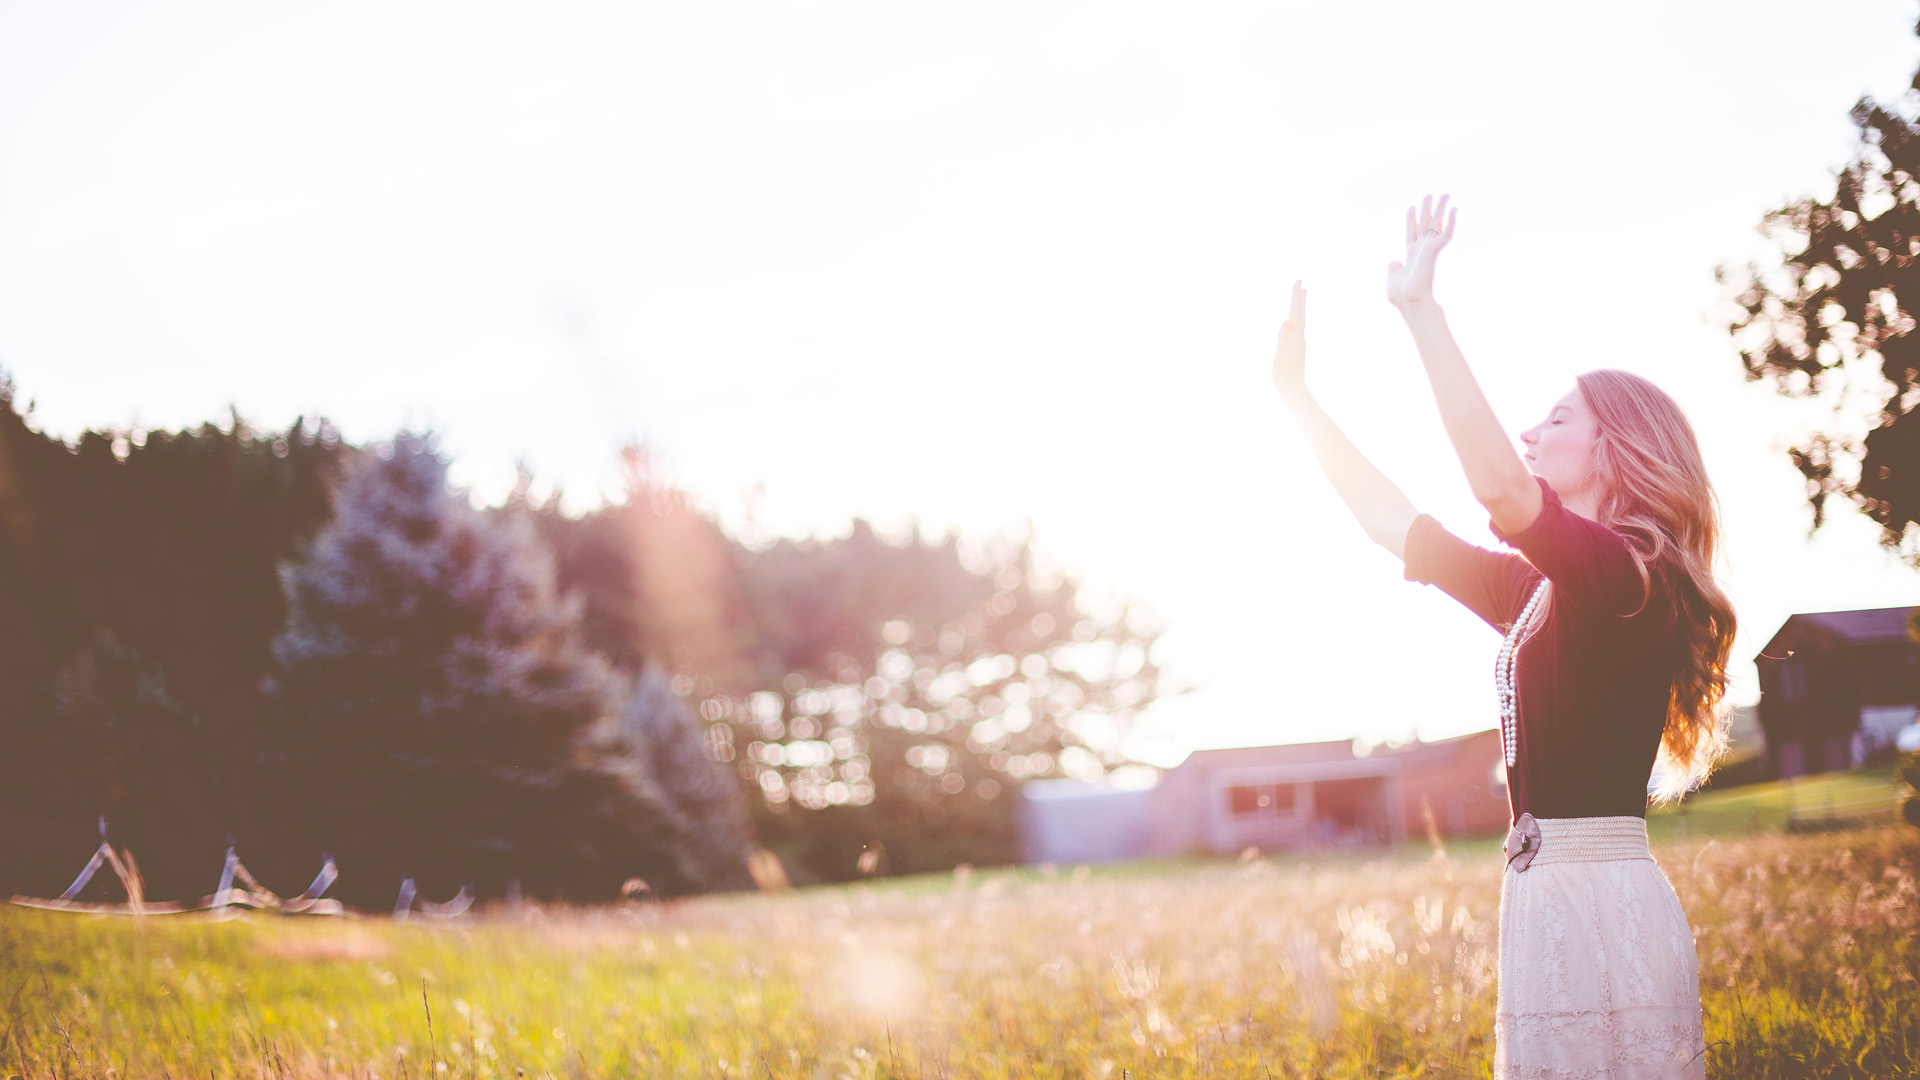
(1598, 977)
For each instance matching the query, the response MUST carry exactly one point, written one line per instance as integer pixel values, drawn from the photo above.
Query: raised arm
(1384, 512)
(1496, 474)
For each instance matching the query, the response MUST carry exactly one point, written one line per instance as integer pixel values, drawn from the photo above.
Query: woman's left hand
(1290, 355)
(1410, 284)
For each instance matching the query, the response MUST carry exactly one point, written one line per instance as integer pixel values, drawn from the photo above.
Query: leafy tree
(442, 716)
(918, 686)
(1834, 323)
(876, 698)
(435, 707)
(594, 557)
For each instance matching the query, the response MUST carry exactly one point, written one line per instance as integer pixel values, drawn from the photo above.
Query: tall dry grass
(1267, 969)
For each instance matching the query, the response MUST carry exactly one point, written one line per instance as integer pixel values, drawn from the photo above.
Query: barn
(1838, 686)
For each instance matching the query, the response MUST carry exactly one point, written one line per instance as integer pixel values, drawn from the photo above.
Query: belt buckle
(1523, 843)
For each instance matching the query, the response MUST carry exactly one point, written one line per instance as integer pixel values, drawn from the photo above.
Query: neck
(1582, 504)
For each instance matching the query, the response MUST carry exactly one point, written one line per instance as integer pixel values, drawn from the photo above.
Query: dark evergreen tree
(659, 732)
(131, 749)
(440, 711)
(168, 542)
(1834, 323)
(435, 708)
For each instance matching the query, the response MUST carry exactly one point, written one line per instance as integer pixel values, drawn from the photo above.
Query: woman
(1616, 640)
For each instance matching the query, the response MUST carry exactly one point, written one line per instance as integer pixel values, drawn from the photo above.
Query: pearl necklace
(1503, 675)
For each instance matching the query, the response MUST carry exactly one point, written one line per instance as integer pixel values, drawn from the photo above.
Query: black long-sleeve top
(1594, 680)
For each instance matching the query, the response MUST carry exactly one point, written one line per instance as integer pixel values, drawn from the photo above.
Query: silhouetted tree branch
(1834, 324)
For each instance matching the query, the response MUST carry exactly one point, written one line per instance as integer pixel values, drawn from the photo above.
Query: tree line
(282, 640)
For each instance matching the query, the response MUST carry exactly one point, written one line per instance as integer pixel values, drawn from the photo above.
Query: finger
(1439, 214)
(1426, 213)
(1395, 267)
(1447, 233)
(1297, 315)
(1412, 233)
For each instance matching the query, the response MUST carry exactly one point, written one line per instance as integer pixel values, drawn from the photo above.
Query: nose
(1531, 435)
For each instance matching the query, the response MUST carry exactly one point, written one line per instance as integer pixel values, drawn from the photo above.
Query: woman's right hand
(1410, 284)
(1290, 355)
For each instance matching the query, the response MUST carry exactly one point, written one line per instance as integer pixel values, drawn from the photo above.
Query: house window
(1254, 799)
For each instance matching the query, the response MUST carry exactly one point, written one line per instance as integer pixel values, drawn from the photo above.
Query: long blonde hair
(1653, 489)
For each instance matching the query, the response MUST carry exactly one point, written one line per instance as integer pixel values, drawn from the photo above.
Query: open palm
(1428, 229)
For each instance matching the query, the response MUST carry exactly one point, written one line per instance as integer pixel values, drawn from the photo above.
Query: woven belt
(1580, 839)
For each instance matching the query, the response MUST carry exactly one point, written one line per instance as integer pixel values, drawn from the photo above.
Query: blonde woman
(1614, 655)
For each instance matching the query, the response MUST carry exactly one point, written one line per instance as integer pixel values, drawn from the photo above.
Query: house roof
(1280, 754)
(1413, 753)
(1862, 627)
(1048, 790)
(1424, 753)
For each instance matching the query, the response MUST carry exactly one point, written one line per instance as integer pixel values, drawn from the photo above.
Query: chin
(1553, 481)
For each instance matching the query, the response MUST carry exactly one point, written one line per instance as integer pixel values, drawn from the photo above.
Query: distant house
(1072, 821)
(1302, 796)
(1835, 686)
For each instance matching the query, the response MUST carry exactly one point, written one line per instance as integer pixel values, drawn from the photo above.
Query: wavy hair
(1653, 490)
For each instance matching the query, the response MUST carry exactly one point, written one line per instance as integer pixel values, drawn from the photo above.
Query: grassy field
(1870, 796)
(1333, 968)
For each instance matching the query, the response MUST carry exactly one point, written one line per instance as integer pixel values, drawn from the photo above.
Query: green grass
(1264, 969)
(1761, 808)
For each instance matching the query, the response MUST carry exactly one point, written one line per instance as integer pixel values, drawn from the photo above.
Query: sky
(956, 265)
